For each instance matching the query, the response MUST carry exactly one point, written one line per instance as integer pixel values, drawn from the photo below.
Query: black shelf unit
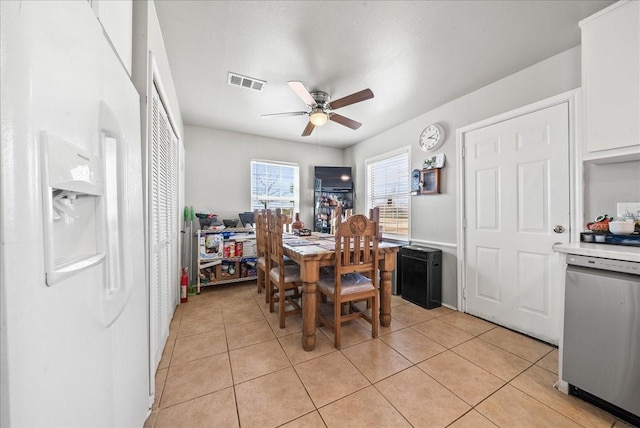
(326, 199)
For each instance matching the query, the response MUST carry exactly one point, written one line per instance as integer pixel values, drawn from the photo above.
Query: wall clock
(431, 137)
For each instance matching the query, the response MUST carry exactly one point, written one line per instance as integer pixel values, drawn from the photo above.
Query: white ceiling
(413, 55)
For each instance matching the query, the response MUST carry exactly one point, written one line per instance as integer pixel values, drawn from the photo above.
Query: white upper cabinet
(116, 17)
(611, 83)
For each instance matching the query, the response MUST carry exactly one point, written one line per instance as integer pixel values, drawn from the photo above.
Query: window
(274, 185)
(388, 189)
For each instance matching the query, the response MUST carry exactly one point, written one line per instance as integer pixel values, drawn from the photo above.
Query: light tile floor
(228, 364)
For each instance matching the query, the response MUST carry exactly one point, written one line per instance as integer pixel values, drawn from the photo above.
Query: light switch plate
(632, 207)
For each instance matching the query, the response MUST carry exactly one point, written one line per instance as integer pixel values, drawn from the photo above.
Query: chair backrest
(285, 219)
(276, 249)
(260, 220)
(286, 222)
(356, 248)
(336, 219)
(374, 215)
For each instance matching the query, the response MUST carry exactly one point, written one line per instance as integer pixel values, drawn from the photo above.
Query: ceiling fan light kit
(321, 109)
(318, 117)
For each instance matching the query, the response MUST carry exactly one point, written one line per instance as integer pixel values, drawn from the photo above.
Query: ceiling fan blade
(349, 123)
(291, 113)
(308, 130)
(365, 94)
(302, 92)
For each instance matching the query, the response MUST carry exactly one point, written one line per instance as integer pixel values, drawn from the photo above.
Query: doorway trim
(571, 97)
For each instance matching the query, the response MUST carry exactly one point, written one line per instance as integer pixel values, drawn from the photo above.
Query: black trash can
(421, 275)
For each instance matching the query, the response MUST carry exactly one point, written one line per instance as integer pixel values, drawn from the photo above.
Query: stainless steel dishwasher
(601, 345)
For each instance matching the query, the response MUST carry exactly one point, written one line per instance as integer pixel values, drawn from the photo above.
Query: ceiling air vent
(245, 82)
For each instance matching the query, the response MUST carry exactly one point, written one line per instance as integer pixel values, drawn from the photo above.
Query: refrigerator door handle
(118, 284)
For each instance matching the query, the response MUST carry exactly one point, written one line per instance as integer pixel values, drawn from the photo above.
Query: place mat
(312, 249)
(331, 246)
(323, 235)
(297, 242)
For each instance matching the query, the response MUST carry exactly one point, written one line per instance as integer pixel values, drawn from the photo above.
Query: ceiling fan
(321, 109)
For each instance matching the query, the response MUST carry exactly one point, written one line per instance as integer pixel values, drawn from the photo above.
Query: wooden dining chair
(286, 223)
(260, 221)
(374, 215)
(283, 279)
(354, 276)
(284, 216)
(335, 219)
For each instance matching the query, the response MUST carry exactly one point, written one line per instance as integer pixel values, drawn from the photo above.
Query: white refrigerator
(74, 342)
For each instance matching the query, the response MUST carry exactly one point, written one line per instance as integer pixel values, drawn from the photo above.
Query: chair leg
(267, 285)
(374, 316)
(349, 308)
(260, 280)
(318, 298)
(270, 293)
(337, 315)
(281, 304)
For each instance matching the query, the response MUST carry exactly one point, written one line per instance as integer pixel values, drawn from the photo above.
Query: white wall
(148, 38)
(217, 162)
(433, 217)
(608, 184)
(218, 170)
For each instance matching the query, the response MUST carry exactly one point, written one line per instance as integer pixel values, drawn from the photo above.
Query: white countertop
(606, 251)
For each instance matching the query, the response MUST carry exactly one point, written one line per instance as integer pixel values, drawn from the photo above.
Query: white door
(163, 219)
(516, 193)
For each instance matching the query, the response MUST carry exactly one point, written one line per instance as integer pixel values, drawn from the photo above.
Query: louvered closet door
(163, 228)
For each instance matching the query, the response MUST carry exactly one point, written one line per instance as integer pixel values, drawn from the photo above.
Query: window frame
(296, 191)
(402, 191)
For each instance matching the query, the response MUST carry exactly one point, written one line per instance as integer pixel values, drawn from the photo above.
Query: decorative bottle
(297, 224)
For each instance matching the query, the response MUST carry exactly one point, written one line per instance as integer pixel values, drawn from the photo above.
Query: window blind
(274, 185)
(388, 189)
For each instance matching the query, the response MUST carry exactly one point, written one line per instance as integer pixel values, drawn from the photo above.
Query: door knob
(558, 229)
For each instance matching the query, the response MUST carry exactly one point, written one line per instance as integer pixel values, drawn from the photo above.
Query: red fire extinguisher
(184, 284)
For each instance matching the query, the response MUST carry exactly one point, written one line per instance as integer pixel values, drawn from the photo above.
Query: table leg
(309, 315)
(385, 298)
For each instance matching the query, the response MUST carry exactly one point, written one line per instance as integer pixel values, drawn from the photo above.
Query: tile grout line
(485, 399)
(292, 366)
(471, 406)
(542, 402)
(164, 383)
(233, 383)
(407, 368)
(316, 409)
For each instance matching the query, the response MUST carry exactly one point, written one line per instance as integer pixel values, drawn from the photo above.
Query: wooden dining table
(318, 250)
